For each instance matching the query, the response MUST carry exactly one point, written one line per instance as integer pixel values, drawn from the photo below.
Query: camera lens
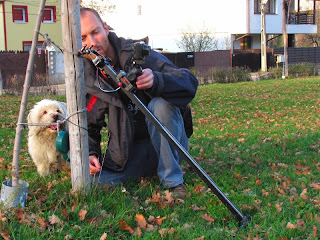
(140, 50)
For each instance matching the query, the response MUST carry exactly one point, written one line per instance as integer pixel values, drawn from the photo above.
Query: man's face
(94, 33)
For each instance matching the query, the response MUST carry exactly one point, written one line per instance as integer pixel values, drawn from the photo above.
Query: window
(245, 43)
(26, 45)
(19, 14)
(270, 6)
(49, 14)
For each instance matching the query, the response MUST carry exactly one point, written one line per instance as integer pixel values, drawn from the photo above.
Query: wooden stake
(75, 93)
(23, 105)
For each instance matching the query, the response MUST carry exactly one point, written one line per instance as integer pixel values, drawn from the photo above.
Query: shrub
(302, 69)
(230, 75)
(220, 75)
(240, 74)
(274, 73)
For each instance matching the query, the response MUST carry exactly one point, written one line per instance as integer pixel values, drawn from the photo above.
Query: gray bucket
(14, 196)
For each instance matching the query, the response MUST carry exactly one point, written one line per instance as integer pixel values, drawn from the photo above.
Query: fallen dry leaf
(138, 232)
(68, 237)
(124, 226)
(95, 221)
(196, 208)
(200, 238)
(279, 206)
(238, 176)
(54, 220)
(301, 224)
(169, 197)
(150, 228)
(305, 171)
(199, 189)
(303, 194)
(298, 166)
(142, 223)
(264, 193)
(4, 234)
(66, 178)
(42, 222)
(161, 200)
(82, 214)
(314, 234)
(65, 213)
(158, 220)
(104, 236)
(19, 214)
(165, 231)
(187, 225)
(207, 218)
(291, 226)
(316, 186)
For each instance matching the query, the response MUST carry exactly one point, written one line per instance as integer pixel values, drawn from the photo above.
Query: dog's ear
(29, 117)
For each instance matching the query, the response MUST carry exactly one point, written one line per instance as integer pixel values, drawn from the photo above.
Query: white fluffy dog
(42, 139)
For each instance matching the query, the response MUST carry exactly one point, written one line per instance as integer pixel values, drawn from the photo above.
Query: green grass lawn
(258, 141)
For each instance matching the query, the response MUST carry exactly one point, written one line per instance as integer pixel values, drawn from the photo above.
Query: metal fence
(301, 54)
(13, 66)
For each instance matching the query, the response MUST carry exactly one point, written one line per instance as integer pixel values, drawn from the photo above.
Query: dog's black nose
(55, 116)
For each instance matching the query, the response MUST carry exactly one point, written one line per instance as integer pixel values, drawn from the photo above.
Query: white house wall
(301, 28)
(273, 21)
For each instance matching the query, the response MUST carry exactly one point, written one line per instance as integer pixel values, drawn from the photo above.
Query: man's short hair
(84, 10)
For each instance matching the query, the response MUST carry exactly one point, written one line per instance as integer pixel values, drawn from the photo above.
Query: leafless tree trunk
(23, 105)
(75, 92)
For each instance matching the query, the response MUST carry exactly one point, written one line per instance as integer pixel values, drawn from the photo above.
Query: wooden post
(75, 93)
(263, 38)
(1, 85)
(285, 71)
(23, 105)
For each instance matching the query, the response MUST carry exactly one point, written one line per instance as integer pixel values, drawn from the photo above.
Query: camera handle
(128, 88)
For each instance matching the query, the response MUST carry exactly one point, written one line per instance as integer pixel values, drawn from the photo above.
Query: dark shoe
(179, 191)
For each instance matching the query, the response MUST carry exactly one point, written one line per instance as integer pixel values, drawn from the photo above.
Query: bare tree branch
(192, 41)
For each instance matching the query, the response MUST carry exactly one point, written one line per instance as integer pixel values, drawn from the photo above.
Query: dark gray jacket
(176, 85)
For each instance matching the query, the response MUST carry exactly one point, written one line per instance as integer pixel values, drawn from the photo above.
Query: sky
(163, 20)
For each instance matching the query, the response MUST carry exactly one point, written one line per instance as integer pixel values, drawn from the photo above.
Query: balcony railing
(301, 18)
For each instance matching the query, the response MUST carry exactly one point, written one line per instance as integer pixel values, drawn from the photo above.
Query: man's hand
(94, 165)
(145, 80)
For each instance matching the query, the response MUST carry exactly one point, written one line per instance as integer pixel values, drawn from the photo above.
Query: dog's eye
(45, 112)
(58, 111)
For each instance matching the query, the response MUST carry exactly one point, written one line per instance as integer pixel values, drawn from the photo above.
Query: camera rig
(127, 85)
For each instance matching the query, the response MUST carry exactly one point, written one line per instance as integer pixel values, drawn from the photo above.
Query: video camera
(139, 52)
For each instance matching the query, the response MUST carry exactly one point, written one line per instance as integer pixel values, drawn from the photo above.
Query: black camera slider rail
(128, 88)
